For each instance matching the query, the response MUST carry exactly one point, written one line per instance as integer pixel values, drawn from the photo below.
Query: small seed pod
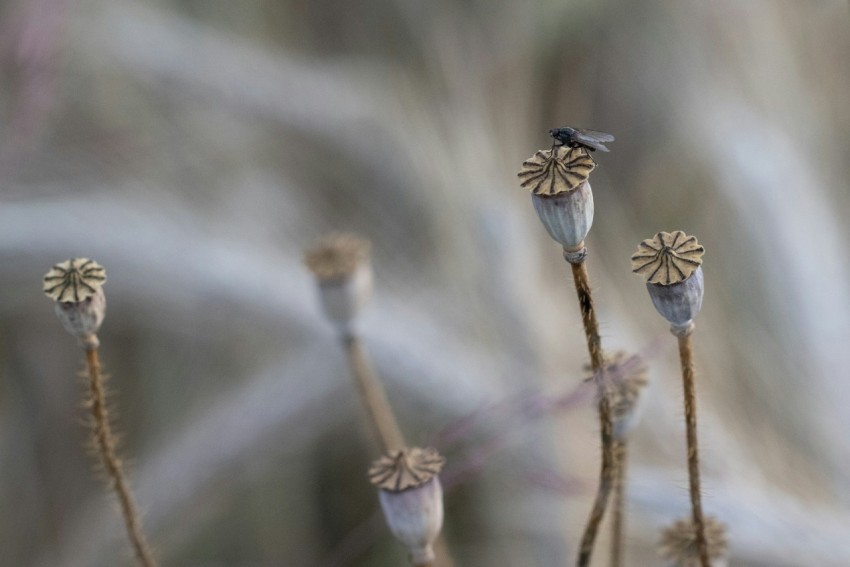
(678, 546)
(626, 381)
(560, 191)
(671, 263)
(412, 498)
(76, 287)
(341, 265)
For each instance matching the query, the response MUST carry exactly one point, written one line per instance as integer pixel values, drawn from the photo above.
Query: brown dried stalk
(381, 418)
(606, 476)
(618, 521)
(104, 442)
(373, 397)
(686, 357)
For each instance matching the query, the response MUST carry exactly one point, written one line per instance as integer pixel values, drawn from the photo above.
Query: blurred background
(195, 148)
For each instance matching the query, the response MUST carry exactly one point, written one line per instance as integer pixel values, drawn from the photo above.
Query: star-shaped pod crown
(679, 542)
(668, 257)
(74, 280)
(405, 468)
(559, 170)
(337, 256)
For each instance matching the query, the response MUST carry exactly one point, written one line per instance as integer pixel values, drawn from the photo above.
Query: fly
(580, 137)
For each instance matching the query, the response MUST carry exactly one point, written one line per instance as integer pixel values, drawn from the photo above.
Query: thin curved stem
(382, 420)
(686, 357)
(105, 442)
(606, 475)
(373, 397)
(618, 523)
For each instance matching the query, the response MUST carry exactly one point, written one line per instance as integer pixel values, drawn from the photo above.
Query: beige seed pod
(678, 545)
(80, 304)
(668, 257)
(559, 170)
(411, 498)
(74, 280)
(561, 194)
(671, 263)
(343, 271)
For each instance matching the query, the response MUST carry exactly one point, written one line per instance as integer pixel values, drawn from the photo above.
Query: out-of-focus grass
(193, 148)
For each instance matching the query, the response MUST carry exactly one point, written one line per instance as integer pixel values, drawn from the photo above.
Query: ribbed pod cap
(411, 498)
(343, 271)
(76, 286)
(671, 263)
(625, 378)
(560, 191)
(678, 546)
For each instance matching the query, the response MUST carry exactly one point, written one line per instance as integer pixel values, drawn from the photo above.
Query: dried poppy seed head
(80, 305)
(337, 256)
(411, 498)
(405, 468)
(668, 257)
(559, 170)
(678, 546)
(560, 191)
(74, 280)
(341, 265)
(671, 263)
(626, 379)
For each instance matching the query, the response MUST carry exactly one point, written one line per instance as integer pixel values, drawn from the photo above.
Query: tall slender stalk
(606, 475)
(373, 398)
(76, 287)
(382, 420)
(618, 520)
(686, 357)
(104, 443)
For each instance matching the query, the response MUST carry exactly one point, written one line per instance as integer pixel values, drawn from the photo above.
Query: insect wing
(592, 135)
(592, 138)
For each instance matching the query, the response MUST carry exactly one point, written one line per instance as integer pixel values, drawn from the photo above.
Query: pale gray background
(194, 148)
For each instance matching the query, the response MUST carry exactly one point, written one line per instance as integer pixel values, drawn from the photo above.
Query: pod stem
(606, 476)
(372, 396)
(382, 420)
(105, 443)
(686, 357)
(618, 522)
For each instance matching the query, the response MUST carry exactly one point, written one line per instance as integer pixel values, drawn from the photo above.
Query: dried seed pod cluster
(671, 263)
(341, 265)
(76, 286)
(679, 549)
(560, 191)
(411, 498)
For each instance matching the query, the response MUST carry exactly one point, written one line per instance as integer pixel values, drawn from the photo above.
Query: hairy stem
(686, 357)
(606, 476)
(105, 445)
(618, 522)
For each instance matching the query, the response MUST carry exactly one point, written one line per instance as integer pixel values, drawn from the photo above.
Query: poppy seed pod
(626, 381)
(76, 287)
(341, 265)
(560, 191)
(411, 498)
(678, 545)
(671, 263)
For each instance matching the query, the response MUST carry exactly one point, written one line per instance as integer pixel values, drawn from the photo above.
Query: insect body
(581, 137)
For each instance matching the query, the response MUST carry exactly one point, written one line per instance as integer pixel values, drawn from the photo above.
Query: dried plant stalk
(373, 397)
(606, 476)
(686, 357)
(618, 520)
(382, 420)
(104, 442)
